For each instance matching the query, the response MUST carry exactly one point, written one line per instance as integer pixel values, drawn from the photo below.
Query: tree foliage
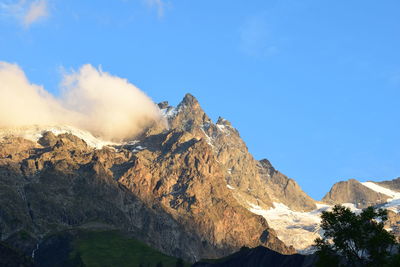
(351, 239)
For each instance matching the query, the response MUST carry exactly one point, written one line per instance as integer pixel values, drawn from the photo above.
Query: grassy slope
(110, 248)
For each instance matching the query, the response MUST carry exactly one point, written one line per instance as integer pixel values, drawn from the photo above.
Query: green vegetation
(351, 239)
(111, 248)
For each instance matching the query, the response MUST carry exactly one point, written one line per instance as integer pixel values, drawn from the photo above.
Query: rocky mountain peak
(352, 191)
(267, 165)
(222, 121)
(187, 116)
(189, 100)
(48, 139)
(163, 105)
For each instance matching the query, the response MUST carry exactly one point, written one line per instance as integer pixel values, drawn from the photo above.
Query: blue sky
(314, 86)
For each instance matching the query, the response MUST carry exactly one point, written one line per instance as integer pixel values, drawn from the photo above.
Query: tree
(354, 239)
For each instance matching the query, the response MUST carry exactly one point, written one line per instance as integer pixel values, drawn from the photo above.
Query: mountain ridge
(191, 190)
(55, 169)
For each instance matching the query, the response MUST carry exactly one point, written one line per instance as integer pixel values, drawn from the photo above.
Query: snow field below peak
(383, 190)
(295, 228)
(393, 202)
(34, 133)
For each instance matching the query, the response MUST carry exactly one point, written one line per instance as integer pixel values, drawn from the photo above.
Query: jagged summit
(186, 116)
(163, 105)
(267, 164)
(222, 121)
(256, 185)
(188, 111)
(189, 100)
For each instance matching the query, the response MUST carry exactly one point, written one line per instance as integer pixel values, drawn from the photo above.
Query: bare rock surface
(391, 184)
(352, 191)
(170, 188)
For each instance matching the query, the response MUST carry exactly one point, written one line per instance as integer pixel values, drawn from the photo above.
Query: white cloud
(36, 11)
(106, 105)
(256, 38)
(159, 5)
(26, 12)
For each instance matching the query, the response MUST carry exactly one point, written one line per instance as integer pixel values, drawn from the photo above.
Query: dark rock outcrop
(259, 256)
(9, 257)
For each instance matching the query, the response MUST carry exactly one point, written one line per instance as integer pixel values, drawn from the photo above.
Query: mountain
(256, 185)
(187, 190)
(358, 195)
(190, 190)
(363, 194)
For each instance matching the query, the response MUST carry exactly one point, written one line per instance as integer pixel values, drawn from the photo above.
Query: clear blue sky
(314, 86)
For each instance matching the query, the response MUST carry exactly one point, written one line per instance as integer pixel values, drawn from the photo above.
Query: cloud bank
(105, 105)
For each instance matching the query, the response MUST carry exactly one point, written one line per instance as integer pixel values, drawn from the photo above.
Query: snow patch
(221, 127)
(138, 148)
(131, 143)
(352, 207)
(224, 128)
(169, 112)
(393, 202)
(230, 187)
(393, 205)
(300, 229)
(34, 133)
(295, 228)
(380, 189)
(209, 140)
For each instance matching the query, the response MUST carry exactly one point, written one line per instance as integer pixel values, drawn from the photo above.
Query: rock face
(49, 189)
(284, 190)
(11, 258)
(252, 181)
(352, 191)
(391, 184)
(393, 223)
(185, 190)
